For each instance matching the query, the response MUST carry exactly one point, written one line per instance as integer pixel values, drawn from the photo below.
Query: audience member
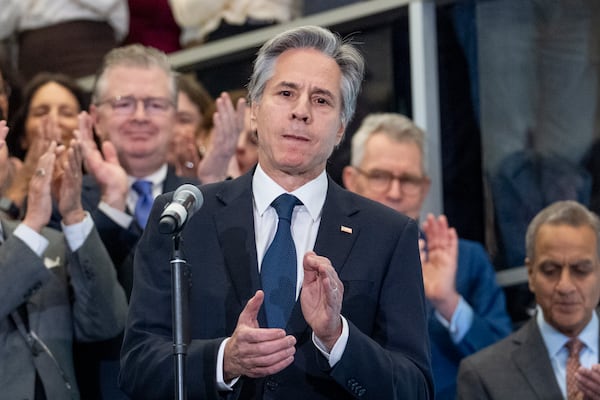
(151, 23)
(555, 354)
(466, 307)
(193, 124)
(55, 289)
(349, 254)
(132, 110)
(48, 112)
(246, 151)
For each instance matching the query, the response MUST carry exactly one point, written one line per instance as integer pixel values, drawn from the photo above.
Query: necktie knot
(574, 346)
(284, 205)
(144, 202)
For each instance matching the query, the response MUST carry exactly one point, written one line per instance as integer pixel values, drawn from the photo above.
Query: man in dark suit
(356, 323)
(466, 306)
(132, 111)
(563, 260)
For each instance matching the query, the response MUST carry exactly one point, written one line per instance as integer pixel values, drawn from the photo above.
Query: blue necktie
(278, 271)
(144, 202)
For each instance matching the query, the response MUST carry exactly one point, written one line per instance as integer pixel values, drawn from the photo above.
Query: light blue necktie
(278, 271)
(144, 202)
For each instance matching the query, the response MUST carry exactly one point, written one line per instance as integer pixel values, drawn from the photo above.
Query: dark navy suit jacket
(387, 354)
(476, 283)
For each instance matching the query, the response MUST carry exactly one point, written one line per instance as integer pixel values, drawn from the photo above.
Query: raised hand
(39, 197)
(67, 183)
(6, 166)
(439, 261)
(321, 298)
(104, 166)
(588, 382)
(253, 351)
(185, 157)
(19, 187)
(228, 124)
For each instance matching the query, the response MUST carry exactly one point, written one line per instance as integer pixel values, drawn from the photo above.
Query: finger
(110, 153)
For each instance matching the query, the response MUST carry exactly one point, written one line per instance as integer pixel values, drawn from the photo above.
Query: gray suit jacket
(77, 299)
(517, 367)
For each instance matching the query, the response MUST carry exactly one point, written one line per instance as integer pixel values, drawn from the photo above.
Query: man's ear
(529, 265)
(349, 178)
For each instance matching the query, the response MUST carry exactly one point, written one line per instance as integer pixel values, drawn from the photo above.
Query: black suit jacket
(97, 362)
(387, 354)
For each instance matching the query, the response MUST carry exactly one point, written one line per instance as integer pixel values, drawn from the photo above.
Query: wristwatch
(9, 208)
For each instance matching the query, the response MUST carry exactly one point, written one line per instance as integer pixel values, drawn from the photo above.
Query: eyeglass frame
(135, 100)
(403, 180)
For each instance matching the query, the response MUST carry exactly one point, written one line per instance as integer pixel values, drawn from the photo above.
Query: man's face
(298, 117)
(384, 156)
(565, 276)
(141, 136)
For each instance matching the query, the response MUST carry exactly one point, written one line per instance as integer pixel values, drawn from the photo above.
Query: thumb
(249, 314)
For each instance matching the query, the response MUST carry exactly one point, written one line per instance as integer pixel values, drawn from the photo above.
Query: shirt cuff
(121, 218)
(35, 241)
(221, 385)
(76, 234)
(338, 348)
(461, 321)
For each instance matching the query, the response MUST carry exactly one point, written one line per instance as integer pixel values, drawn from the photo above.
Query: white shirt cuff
(338, 348)
(77, 233)
(221, 385)
(36, 242)
(121, 218)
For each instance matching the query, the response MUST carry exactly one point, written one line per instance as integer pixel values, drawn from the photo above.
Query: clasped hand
(257, 352)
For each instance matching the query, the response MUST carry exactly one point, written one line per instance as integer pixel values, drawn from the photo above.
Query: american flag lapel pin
(346, 229)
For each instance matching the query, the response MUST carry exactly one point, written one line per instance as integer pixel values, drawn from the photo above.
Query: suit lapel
(535, 364)
(337, 233)
(335, 239)
(235, 229)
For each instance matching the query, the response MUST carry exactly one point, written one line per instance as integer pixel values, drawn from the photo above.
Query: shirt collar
(157, 178)
(311, 194)
(555, 340)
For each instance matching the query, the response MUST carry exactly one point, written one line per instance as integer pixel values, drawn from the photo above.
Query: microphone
(187, 199)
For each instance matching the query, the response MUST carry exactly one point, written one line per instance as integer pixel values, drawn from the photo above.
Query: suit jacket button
(271, 384)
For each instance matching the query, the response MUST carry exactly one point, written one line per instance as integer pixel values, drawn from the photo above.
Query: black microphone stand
(180, 284)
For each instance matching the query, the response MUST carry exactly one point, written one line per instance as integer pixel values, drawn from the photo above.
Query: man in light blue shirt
(563, 263)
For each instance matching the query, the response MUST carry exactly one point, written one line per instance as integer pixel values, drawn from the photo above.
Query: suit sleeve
(469, 385)
(490, 319)
(100, 306)
(393, 361)
(147, 354)
(22, 273)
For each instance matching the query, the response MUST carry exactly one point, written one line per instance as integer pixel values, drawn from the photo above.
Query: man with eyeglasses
(466, 307)
(132, 111)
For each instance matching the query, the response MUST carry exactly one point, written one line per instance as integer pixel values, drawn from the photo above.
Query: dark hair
(198, 94)
(17, 129)
(11, 78)
(343, 52)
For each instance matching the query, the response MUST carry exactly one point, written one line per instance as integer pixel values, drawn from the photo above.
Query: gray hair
(344, 53)
(395, 126)
(134, 55)
(566, 212)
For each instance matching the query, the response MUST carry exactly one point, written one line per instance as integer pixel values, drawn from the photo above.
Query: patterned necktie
(144, 202)
(278, 271)
(574, 346)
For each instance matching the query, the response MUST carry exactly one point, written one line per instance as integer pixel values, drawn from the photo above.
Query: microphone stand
(180, 283)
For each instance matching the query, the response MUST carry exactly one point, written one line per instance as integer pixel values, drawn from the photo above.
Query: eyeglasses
(126, 105)
(380, 181)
